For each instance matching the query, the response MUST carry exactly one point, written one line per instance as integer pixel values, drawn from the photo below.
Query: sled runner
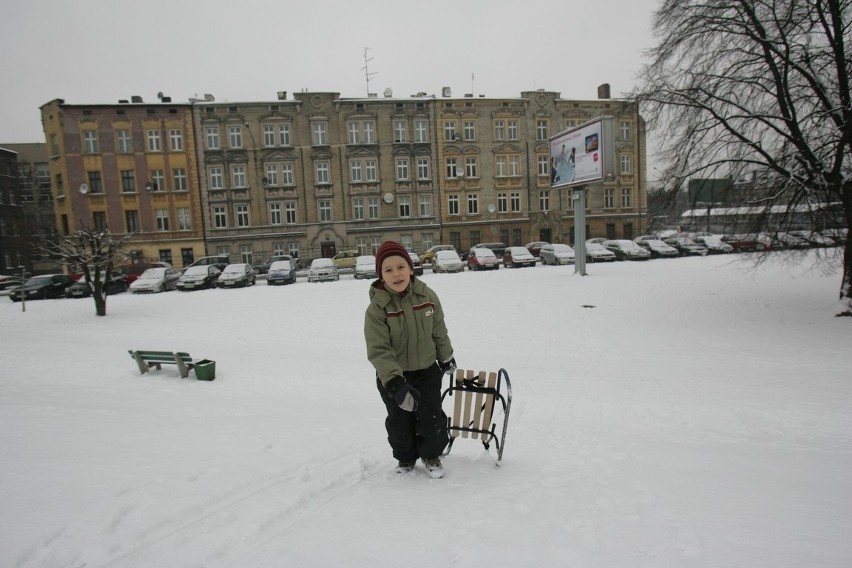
(476, 396)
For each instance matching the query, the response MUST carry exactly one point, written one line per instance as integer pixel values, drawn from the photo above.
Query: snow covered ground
(674, 413)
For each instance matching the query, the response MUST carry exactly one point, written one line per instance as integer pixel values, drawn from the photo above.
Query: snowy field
(679, 413)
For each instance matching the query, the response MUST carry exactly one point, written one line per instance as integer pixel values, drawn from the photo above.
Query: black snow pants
(422, 433)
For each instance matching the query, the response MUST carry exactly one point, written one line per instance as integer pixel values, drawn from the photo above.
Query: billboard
(583, 154)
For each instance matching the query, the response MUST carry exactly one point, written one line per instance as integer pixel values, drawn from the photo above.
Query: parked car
(687, 247)
(322, 270)
(497, 248)
(482, 259)
(155, 280)
(658, 248)
(557, 253)
(9, 282)
(430, 252)
(199, 277)
(596, 252)
(81, 289)
(42, 287)
(220, 261)
(238, 275)
(535, 247)
(516, 257)
(365, 267)
(837, 235)
(345, 259)
(282, 272)
(596, 241)
(263, 267)
(744, 243)
(815, 239)
(416, 263)
(627, 250)
(714, 244)
(134, 271)
(638, 240)
(447, 261)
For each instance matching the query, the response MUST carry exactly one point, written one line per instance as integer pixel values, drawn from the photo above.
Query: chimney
(136, 99)
(603, 91)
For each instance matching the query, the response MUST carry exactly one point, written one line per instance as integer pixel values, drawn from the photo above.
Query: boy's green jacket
(405, 332)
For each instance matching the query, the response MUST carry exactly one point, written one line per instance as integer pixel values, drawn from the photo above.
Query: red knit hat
(391, 248)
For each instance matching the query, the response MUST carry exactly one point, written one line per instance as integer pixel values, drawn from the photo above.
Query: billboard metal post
(579, 199)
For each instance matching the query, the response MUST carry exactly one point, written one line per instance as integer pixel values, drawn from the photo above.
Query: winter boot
(434, 467)
(404, 467)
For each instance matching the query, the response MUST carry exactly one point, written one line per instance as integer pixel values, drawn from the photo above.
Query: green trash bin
(205, 370)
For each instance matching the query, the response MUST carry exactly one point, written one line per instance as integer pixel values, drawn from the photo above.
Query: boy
(406, 338)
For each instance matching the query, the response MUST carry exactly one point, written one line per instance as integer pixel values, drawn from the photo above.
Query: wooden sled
(476, 395)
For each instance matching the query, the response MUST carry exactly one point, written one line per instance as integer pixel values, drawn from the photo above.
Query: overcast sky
(100, 51)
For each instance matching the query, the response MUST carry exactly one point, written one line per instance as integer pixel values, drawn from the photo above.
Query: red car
(482, 259)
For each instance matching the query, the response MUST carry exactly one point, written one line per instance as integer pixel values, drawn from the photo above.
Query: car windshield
(562, 248)
(322, 263)
(483, 253)
(38, 281)
(196, 271)
(280, 265)
(235, 269)
(446, 255)
(595, 247)
(153, 273)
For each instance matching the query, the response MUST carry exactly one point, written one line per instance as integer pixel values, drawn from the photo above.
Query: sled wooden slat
(477, 393)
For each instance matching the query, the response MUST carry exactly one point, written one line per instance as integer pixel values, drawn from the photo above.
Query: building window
(324, 207)
(123, 141)
(319, 131)
(373, 208)
(450, 131)
(543, 165)
(95, 183)
(271, 175)
(90, 141)
(502, 203)
(361, 245)
(176, 139)
(400, 131)
(153, 137)
(235, 136)
(184, 222)
(470, 169)
(242, 215)
(246, 254)
(405, 206)
(355, 171)
(626, 164)
(426, 240)
(187, 256)
(287, 174)
(158, 180)
(469, 129)
(514, 166)
(212, 137)
(452, 204)
(269, 135)
(473, 203)
(369, 132)
(290, 213)
(128, 181)
(402, 169)
(625, 130)
(544, 200)
(179, 179)
(220, 217)
(421, 131)
(162, 216)
(274, 213)
(501, 166)
(99, 221)
(499, 130)
(626, 200)
(353, 132)
(238, 175)
(541, 129)
(166, 255)
(131, 221)
(425, 205)
(513, 129)
(609, 198)
(358, 208)
(422, 168)
(372, 169)
(453, 170)
(516, 202)
(217, 178)
(284, 134)
(322, 173)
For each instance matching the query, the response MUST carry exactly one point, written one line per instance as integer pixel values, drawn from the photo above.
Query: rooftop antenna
(366, 70)
(471, 82)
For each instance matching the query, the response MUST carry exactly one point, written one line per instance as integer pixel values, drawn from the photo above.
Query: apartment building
(129, 167)
(14, 251)
(315, 174)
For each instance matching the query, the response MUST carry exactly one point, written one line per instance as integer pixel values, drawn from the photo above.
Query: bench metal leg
(143, 366)
(182, 367)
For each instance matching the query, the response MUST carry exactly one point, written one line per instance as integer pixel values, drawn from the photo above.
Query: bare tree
(744, 86)
(93, 252)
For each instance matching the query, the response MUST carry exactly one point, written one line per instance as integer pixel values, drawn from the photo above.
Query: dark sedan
(81, 289)
(42, 287)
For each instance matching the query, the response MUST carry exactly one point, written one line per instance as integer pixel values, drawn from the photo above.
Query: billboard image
(582, 154)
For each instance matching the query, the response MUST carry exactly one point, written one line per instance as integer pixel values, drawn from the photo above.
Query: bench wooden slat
(147, 359)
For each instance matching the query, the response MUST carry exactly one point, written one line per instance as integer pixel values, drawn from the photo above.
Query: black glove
(405, 395)
(448, 367)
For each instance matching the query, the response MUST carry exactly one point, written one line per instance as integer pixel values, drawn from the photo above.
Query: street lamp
(23, 270)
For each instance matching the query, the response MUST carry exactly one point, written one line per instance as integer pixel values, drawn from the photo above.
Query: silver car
(556, 253)
(155, 280)
(322, 270)
(447, 261)
(365, 267)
